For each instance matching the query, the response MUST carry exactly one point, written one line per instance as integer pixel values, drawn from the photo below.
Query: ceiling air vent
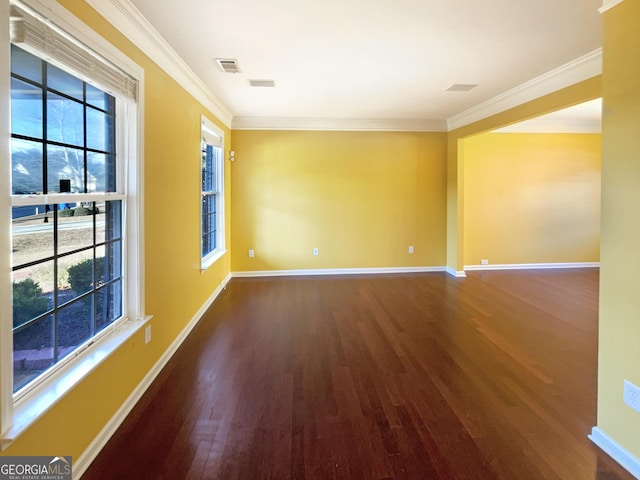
(262, 83)
(228, 65)
(461, 87)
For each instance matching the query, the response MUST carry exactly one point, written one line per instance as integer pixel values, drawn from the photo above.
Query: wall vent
(228, 65)
(262, 83)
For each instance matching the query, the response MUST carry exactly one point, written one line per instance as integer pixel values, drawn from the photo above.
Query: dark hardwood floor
(419, 376)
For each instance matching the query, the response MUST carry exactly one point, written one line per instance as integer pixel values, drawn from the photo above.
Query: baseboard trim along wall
(98, 443)
(335, 271)
(525, 266)
(456, 273)
(616, 451)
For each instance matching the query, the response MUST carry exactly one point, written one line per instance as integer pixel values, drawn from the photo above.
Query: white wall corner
(578, 70)
(456, 273)
(609, 4)
(616, 451)
(123, 15)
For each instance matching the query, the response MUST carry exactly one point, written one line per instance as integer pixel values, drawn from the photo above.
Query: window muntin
(67, 262)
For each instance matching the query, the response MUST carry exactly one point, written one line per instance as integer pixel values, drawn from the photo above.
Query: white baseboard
(98, 443)
(335, 271)
(532, 266)
(456, 273)
(621, 455)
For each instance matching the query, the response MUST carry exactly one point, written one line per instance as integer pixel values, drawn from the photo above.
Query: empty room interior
(314, 240)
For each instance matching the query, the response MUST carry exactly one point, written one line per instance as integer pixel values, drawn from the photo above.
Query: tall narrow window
(74, 199)
(212, 198)
(67, 254)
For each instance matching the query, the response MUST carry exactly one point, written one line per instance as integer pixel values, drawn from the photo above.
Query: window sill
(35, 404)
(211, 259)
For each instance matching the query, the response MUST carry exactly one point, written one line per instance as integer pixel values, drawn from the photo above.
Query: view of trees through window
(66, 256)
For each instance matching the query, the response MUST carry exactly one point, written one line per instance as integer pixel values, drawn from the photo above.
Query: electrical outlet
(632, 395)
(315, 251)
(252, 254)
(147, 334)
(411, 250)
(484, 261)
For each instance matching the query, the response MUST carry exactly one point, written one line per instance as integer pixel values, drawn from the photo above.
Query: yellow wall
(566, 97)
(175, 287)
(531, 198)
(619, 333)
(361, 198)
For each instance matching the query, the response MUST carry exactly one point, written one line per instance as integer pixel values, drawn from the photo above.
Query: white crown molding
(128, 19)
(338, 124)
(576, 71)
(609, 4)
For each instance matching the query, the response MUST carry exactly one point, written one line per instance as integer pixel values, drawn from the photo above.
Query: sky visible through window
(62, 129)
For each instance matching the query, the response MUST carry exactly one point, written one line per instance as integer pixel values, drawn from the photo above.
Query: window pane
(99, 130)
(75, 231)
(65, 163)
(99, 212)
(65, 120)
(26, 166)
(64, 82)
(99, 99)
(101, 173)
(113, 222)
(74, 326)
(29, 299)
(113, 266)
(208, 204)
(208, 224)
(81, 273)
(26, 109)
(208, 243)
(32, 235)
(27, 211)
(32, 351)
(108, 305)
(42, 274)
(208, 176)
(75, 275)
(25, 64)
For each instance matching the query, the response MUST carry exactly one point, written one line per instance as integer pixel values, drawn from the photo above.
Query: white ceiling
(372, 59)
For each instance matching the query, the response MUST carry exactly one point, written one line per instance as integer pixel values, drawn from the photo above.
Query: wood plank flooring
(419, 376)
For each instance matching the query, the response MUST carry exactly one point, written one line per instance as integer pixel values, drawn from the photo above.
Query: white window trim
(213, 135)
(16, 415)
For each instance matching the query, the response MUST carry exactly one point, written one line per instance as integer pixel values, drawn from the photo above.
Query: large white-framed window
(71, 209)
(211, 193)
